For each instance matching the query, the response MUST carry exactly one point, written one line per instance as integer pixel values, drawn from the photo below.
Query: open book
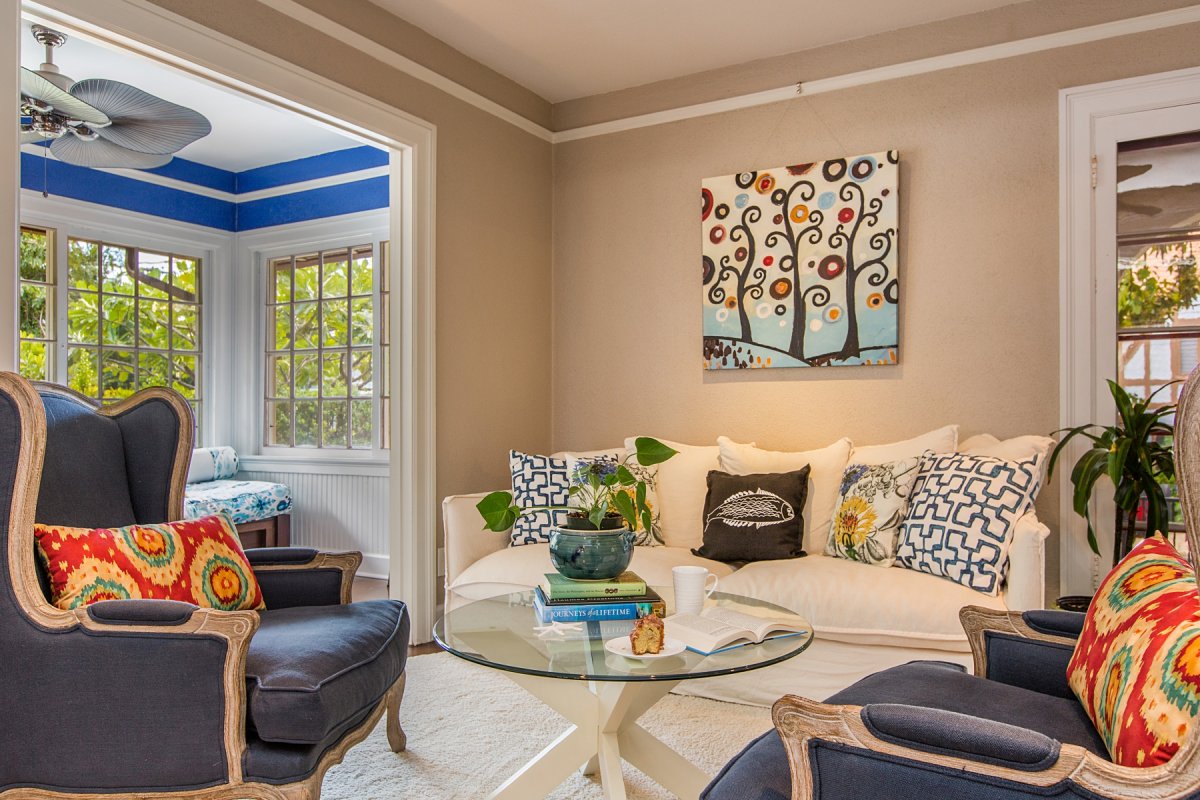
(717, 628)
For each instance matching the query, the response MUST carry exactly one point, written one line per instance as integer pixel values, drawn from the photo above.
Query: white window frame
(180, 43)
(255, 250)
(74, 219)
(1092, 121)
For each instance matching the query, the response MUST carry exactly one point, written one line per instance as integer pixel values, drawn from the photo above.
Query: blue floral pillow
(961, 516)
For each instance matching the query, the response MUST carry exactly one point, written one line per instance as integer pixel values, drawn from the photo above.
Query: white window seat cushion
(857, 603)
(516, 569)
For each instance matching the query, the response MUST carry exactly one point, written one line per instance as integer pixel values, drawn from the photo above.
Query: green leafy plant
(1135, 454)
(599, 490)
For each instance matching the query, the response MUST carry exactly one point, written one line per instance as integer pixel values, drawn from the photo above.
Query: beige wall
(978, 259)
(493, 255)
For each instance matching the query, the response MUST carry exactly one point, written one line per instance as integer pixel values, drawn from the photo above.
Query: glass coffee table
(566, 666)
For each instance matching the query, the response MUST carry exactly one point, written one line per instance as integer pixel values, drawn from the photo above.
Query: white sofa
(866, 618)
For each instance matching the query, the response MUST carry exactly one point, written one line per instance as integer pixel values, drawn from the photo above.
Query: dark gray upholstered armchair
(928, 730)
(157, 698)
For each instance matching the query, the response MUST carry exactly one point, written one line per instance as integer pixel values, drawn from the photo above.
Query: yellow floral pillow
(871, 505)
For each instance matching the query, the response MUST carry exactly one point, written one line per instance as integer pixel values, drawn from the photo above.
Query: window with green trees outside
(132, 318)
(321, 349)
(37, 304)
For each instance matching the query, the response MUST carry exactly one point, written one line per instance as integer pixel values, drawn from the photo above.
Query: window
(133, 321)
(37, 329)
(321, 345)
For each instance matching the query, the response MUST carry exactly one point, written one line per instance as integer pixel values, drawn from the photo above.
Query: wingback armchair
(158, 698)
(1013, 729)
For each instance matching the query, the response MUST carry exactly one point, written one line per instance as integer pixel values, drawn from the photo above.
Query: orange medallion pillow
(197, 561)
(1136, 666)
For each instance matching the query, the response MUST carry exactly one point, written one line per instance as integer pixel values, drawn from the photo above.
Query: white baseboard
(374, 566)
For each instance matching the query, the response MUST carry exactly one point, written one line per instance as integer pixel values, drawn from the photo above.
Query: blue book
(593, 612)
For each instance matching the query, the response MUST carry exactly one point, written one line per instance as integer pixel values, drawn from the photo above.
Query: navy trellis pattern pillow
(961, 517)
(536, 481)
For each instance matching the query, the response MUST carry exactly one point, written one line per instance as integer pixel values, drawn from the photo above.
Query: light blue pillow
(961, 516)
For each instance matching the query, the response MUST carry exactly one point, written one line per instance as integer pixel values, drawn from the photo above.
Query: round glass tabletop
(503, 632)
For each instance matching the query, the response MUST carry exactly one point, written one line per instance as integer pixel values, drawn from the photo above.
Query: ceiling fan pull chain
(46, 170)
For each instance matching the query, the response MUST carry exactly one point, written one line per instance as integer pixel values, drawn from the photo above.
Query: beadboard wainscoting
(338, 512)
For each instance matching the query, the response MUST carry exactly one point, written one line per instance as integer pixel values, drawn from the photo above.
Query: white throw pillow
(824, 477)
(1018, 448)
(872, 502)
(682, 484)
(942, 440)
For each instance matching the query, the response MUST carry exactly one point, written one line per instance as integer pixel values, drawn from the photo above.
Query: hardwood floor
(376, 589)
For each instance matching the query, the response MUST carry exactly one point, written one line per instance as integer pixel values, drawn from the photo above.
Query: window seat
(260, 509)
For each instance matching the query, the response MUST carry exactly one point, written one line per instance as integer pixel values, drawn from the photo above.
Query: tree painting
(800, 265)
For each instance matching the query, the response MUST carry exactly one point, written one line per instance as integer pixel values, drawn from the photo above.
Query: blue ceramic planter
(591, 555)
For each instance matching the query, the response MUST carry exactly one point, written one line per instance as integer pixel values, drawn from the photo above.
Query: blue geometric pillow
(961, 516)
(536, 481)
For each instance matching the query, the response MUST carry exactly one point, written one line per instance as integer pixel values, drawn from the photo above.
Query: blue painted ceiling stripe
(306, 169)
(328, 201)
(118, 191)
(193, 172)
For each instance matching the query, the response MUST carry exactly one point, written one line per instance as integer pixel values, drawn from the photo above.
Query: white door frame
(1092, 121)
(179, 43)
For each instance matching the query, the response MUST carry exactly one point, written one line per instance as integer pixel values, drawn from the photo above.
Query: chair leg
(395, 734)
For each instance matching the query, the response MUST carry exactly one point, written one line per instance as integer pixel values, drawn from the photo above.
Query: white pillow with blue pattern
(543, 481)
(961, 516)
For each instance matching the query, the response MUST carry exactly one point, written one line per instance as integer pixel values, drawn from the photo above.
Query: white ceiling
(246, 132)
(565, 49)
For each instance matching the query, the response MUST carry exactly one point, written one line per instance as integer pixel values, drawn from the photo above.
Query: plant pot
(586, 554)
(1074, 602)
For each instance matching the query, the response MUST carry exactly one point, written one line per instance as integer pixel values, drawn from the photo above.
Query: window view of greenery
(320, 378)
(37, 304)
(133, 320)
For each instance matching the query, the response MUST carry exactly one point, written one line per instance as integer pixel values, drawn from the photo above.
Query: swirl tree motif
(809, 270)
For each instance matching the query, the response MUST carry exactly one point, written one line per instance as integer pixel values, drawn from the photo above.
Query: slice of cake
(647, 636)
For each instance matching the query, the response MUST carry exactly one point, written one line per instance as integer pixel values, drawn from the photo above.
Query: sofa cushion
(826, 465)
(754, 517)
(962, 515)
(1135, 667)
(198, 561)
(312, 668)
(243, 501)
(852, 602)
(1018, 448)
(516, 569)
(680, 483)
(940, 440)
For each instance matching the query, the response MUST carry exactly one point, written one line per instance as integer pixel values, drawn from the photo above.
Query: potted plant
(1135, 454)
(606, 502)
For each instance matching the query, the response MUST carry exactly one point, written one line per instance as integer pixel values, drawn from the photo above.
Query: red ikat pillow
(1136, 666)
(197, 561)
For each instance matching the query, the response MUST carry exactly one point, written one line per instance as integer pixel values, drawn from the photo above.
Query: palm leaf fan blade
(37, 88)
(141, 121)
(100, 153)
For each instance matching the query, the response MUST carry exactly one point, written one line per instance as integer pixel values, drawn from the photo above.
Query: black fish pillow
(754, 517)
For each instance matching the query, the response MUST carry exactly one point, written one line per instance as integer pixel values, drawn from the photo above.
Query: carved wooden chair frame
(234, 627)
(800, 721)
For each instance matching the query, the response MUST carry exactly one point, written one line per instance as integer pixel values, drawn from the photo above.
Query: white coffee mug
(691, 588)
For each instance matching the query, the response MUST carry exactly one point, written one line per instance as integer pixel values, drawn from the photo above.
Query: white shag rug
(470, 728)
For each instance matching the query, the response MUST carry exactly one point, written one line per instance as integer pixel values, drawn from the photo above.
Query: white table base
(604, 731)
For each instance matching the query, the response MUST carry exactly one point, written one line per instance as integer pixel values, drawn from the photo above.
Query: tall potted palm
(1135, 454)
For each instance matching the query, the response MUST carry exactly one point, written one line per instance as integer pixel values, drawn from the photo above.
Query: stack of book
(560, 599)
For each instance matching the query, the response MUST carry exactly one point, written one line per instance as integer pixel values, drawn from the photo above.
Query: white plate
(622, 647)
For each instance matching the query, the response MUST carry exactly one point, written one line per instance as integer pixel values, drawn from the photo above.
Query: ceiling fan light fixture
(113, 124)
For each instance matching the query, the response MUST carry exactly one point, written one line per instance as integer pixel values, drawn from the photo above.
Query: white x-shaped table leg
(604, 731)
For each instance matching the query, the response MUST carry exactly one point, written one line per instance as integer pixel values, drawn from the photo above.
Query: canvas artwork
(800, 265)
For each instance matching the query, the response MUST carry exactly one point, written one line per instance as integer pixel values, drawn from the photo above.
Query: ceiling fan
(101, 123)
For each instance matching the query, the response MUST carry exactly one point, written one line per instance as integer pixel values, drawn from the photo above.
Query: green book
(627, 584)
